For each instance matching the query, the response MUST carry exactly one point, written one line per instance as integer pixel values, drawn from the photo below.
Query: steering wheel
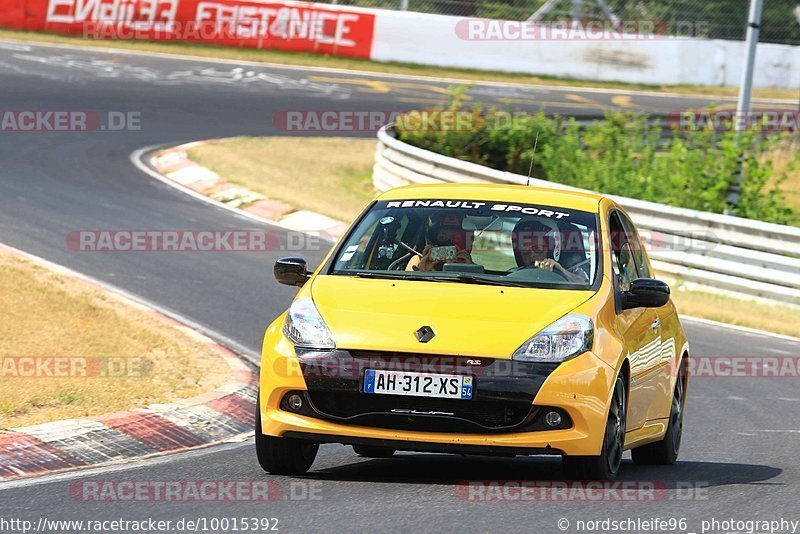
(541, 275)
(395, 265)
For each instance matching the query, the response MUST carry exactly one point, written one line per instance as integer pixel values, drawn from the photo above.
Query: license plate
(417, 384)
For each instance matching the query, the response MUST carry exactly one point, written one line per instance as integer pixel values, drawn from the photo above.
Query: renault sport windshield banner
(290, 26)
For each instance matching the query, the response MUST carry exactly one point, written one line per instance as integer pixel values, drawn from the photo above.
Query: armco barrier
(720, 252)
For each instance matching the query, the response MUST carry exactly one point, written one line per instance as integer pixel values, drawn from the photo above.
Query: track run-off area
(741, 435)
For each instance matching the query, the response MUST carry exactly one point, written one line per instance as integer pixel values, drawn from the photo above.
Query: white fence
(720, 252)
(634, 55)
(446, 41)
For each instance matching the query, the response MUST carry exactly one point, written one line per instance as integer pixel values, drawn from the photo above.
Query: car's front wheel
(665, 452)
(283, 456)
(606, 465)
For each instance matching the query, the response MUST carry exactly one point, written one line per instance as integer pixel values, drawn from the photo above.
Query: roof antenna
(533, 156)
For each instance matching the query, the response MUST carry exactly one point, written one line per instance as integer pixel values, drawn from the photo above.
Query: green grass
(316, 60)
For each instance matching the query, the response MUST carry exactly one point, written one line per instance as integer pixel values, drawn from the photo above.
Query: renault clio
(480, 319)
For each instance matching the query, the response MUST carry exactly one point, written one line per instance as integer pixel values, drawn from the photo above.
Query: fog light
(295, 402)
(552, 419)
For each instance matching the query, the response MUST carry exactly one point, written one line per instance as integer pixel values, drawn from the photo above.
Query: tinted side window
(639, 253)
(626, 268)
(622, 262)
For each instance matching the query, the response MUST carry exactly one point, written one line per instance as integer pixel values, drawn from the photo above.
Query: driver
(443, 230)
(533, 243)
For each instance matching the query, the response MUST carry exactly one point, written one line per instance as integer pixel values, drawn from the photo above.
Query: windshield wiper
(471, 279)
(464, 278)
(380, 275)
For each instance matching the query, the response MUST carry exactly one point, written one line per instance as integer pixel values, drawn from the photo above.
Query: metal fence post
(741, 121)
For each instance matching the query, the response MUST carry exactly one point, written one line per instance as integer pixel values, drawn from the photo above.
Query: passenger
(533, 244)
(443, 230)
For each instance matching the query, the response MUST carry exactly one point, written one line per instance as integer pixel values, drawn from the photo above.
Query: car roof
(498, 193)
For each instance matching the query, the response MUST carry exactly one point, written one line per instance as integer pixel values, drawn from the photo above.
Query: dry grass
(772, 318)
(315, 60)
(45, 315)
(784, 161)
(332, 176)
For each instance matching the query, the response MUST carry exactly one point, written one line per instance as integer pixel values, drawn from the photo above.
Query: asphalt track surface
(741, 439)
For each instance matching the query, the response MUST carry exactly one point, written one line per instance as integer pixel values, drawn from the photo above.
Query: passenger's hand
(425, 262)
(463, 257)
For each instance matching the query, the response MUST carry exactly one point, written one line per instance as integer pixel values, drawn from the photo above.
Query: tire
(283, 456)
(665, 452)
(606, 465)
(373, 452)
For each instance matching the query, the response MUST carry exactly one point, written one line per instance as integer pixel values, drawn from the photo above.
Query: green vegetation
(625, 154)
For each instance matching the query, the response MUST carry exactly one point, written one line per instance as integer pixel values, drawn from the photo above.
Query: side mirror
(645, 293)
(291, 271)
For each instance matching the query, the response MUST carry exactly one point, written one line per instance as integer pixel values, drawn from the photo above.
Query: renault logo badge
(425, 334)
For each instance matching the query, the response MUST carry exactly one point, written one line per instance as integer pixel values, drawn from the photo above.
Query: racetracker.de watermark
(742, 367)
(644, 491)
(760, 120)
(339, 120)
(74, 367)
(42, 120)
(202, 490)
(582, 30)
(483, 368)
(196, 241)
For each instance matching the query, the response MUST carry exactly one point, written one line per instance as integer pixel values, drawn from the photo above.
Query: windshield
(471, 241)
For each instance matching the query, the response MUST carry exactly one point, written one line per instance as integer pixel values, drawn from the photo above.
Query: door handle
(656, 324)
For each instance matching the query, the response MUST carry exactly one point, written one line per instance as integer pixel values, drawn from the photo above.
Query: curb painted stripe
(21, 454)
(208, 418)
(142, 159)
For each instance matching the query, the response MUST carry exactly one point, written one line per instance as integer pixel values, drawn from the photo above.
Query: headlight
(564, 339)
(305, 328)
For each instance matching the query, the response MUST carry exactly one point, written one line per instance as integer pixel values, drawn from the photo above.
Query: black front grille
(452, 415)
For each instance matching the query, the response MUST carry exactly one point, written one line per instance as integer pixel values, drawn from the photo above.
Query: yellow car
(477, 319)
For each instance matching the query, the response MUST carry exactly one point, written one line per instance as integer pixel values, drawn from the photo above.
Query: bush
(625, 154)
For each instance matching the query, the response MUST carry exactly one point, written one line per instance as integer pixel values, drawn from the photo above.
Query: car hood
(469, 319)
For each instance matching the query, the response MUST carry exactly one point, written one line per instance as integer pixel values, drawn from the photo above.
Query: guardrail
(720, 252)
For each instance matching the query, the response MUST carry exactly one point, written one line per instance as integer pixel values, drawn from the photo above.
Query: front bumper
(579, 387)
(502, 400)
